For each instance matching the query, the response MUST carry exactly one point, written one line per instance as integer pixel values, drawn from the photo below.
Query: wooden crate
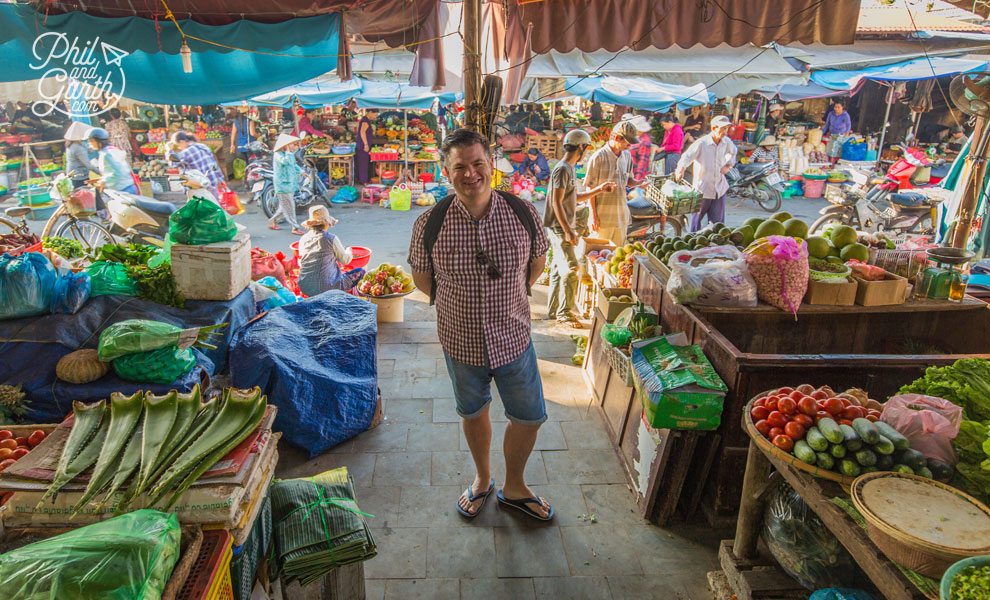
(549, 145)
(342, 162)
(217, 271)
(585, 297)
(759, 578)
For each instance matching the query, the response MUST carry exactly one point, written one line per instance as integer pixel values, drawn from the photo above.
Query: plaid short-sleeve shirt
(480, 321)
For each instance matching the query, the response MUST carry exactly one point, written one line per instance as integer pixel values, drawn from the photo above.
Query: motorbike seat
(746, 169)
(908, 199)
(154, 206)
(639, 202)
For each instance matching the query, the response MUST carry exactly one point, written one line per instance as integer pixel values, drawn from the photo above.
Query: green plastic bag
(108, 277)
(141, 335)
(164, 365)
(239, 168)
(201, 222)
(615, 335)
(129, 557)
(400, 198)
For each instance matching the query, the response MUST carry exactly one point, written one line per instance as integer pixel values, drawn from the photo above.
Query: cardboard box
(833, 292)
(610, 307)
(892, 289)
(585, 246)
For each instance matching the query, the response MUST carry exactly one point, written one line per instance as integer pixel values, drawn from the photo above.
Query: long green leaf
(129, 462)
(86, 419)
(202, 420)
(187, 406)
(159, 415)
(125, 411)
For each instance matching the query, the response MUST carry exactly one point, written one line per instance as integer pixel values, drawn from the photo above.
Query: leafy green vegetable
(130, 255)
(971, 583)
(157, 285)
(965, 383)
(64, 247)
(969, 443)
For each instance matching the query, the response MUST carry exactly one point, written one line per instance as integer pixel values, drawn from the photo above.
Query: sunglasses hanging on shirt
(484, 260)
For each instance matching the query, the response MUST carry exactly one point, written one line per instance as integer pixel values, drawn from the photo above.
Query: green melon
(842, 236)
(855, 251)
(796, 228)
(782, 216)
(753, 223)
(770, 227)
(818, 246)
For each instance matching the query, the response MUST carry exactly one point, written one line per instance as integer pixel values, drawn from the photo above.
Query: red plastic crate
(31, 248)
(209, 577)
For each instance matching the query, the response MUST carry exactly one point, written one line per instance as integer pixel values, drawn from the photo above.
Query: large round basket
(787, 457)
(920, 523)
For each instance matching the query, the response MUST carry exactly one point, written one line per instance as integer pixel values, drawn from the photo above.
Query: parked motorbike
(760, 182)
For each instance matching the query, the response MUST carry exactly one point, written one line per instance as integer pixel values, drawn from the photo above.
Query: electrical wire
(932, 67)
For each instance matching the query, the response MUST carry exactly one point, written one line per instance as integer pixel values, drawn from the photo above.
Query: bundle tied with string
(779, 265)
(318, 526)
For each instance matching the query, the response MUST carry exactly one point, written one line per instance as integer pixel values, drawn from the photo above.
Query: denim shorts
(519, 387)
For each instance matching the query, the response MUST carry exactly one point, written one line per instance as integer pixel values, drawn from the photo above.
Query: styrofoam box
(218, 271)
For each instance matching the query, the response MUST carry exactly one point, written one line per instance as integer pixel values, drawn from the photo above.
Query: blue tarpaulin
(32, 346)
(311, 94)
(638, 93)
(253, 59)
(911, 70)
(316, 360)
(789, 93)
(382, 94)
(369, 94)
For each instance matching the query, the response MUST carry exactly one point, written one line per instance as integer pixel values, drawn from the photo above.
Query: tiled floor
(410, 470)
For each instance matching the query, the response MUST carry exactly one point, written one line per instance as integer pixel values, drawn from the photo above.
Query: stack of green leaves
(318, 526)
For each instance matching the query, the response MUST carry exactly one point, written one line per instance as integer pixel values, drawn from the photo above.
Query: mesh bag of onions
(779, 265)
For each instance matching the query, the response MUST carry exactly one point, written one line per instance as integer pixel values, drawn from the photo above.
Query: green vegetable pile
(64, 247)
(967, 384)
(155, 284)
(130, 255)
(972, 583)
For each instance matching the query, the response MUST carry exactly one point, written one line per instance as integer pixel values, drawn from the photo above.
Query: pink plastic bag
(929, 423)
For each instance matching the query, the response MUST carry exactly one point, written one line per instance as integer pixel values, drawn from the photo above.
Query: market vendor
(643, 150)
(535, 166)
(120, 133)
(775, 118)
(366, 130)
(956, 140)
(242, 133)
(320, 255)
(77, 156)
(192, 155)
(306, 123)
(673, 143)
(711, 158)
(285, 179)
(838, 125)
(766, 151)
(24, 116)
(115, 171)
(694, 125)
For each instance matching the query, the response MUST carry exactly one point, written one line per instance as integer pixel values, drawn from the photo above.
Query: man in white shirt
(712, 156)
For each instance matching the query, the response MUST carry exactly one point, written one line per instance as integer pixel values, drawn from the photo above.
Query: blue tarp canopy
(311, 94)
(789, 93)
(911, 70)
(369, 94)
(637, 92)
(383, 94)
(140, 57)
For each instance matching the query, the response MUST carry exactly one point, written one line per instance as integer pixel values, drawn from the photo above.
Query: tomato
(5, 453)
(763, 427)
(808, 406)
(805, 420)
(834, 406)
(785, 391)
(846, 402)
(19, 453)
(853, 412)
(875, 413)
(21, 441)
(760, 402)
(776, 419)
(781, 441)
(795, 431)
(6, 463)
(775, 431)
(795, 395)
(36, 438)
(771, 403)
(819, 395)
(845, 422)
(759, 413)
(821, 415)
(8, 443)
(787, 406)
(870, 418)
(6, 434)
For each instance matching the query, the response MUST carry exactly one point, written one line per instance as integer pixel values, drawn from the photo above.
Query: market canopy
(873, 53)
(328, 90)
(912, 70)
(638, 93)
(790, 93)
(141, 60)
(383, 94)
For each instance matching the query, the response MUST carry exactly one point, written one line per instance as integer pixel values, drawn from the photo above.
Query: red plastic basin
(361, 256)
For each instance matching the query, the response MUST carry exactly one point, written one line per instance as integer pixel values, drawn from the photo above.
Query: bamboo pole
(976, 163)
(883, 131)
(472, 65)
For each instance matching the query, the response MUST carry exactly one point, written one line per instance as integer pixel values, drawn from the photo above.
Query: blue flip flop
(520, 504)
(474, 498)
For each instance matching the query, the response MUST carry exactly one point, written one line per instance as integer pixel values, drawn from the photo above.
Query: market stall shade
(912, 70)
(638, 93)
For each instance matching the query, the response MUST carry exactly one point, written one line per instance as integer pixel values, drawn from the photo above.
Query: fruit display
(618, 263)
(47, 168)
(13, 405)
(386, 280)
(34, 183)
(214, 135)
(153, 168)
(13, 447)
(663, 247)
(840, 432)
(153, 148)
(616, 297)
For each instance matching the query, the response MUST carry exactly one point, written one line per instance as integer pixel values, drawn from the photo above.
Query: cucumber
(900, 442)
(830, 429)
(849, 468)
(925, 472)
(902, 468)
(869, 470)
(914, 459)
(852, 441)
(884, 446)
(884, 462)
(837, 450)
(866, 457)
(804, 452)
(867, 432)
(941, 470)
(816, 440)
(825, 460)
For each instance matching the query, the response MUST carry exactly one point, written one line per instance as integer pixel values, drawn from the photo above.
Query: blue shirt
(287, 172)
(540, 161)
(837, 124)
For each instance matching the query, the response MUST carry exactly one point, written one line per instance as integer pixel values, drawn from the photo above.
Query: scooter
(760, 182)
(142, 220)
(876, 211)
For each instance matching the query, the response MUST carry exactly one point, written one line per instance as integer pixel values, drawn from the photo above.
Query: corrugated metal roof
(939, 8)
(900, 19)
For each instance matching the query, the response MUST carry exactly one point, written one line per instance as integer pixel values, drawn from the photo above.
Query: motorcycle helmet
(577, 137)
(99, 134)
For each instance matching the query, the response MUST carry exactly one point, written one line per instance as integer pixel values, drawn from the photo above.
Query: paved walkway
(410, 470)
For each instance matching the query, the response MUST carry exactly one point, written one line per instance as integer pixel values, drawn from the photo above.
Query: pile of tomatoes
(784, 416)
(13, 448)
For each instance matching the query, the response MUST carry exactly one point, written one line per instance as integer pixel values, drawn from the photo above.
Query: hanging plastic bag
(229, 200)
(712, 276)
(70, 292)
(26, 284)
(163, 365)
(201, 222)
(779, 265)
(400, 197)
(240, 167)
(802, 544)
(141, 335)
(129, 557)
(929, 423)
(108, 277)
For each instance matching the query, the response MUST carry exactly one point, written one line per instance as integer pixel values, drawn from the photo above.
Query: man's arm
(535, 270)
(424, 282)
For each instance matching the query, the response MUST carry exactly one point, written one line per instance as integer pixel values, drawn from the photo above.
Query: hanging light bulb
(186, 54)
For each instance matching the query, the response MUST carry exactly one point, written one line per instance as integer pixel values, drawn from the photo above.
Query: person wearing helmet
(115, 172)
(558, 218)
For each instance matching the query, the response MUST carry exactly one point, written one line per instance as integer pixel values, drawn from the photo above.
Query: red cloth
(641, 156)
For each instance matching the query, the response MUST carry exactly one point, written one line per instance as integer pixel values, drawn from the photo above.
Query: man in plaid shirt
(479, 263)
(193, 156)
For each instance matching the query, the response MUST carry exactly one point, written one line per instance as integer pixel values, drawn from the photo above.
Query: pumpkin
(81, 366)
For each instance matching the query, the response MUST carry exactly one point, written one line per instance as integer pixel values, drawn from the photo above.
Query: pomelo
(818, 246)
(770, 227)
(855, 251)
(796, 228)
(782, 216)
(753, 223)
(843, 235)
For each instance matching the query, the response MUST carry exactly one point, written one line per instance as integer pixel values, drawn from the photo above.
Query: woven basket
(765, 445)
(924, 556)
(620, 363)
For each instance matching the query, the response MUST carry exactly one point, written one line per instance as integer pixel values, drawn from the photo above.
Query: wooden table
(740, 556)
(418, 166)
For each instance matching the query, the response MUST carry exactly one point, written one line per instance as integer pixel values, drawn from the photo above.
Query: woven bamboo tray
(896, 506)
(765, 445)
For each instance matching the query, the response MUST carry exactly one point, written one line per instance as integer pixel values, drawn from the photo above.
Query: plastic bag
(201, 222)
(929, 423)
(128, 557)
(229, 201)
(400, 198)
(712, 276)
(26, 284)
(673, 190)
(779, 265)
(345, 195)
(141, 335)
(282, 294)
(70, 292)
(615, 335)
(266, 265)
(163, 365)
(802, 544)
(240, 167)
(865, 271)
(108, 277)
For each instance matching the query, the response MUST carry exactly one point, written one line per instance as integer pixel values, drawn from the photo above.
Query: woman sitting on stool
(319, 253)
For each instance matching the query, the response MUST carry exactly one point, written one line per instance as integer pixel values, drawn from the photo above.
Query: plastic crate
(673, 206)
(209, 578)
(620, 363)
